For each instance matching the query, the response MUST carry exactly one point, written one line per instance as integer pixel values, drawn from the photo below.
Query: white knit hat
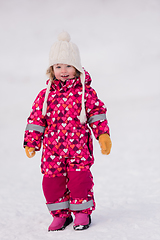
(65, 52)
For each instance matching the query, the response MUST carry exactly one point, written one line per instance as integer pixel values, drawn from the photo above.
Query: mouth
(64, 76)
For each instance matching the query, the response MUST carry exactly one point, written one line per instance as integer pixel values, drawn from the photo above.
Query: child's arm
(35, 127)
(96, 115)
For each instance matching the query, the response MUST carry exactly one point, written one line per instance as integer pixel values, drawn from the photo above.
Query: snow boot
(60, 223)
(82, 221)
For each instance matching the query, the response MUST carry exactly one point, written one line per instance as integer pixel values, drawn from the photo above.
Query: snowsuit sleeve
(36, 124)
(96, 113)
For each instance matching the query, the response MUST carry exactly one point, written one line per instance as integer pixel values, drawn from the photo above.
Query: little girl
(61, 118)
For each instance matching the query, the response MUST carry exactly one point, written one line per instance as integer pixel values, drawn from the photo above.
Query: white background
(119, 43)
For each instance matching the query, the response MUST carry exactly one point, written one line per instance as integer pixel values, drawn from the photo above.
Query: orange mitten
(105, 143)
(30, 152)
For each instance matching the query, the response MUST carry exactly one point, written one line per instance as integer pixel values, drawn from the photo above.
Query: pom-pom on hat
(65, 52)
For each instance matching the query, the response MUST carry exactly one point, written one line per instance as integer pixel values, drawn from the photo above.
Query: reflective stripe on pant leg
(57, 206)
(82, 206)
(72, 207)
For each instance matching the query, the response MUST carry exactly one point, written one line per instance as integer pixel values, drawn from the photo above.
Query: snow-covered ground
(119, 46)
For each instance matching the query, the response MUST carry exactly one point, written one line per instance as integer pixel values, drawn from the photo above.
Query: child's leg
(55, 192)
(82, 203)
(80, 184)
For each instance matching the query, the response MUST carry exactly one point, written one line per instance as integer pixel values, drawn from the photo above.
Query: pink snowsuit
(67, 153)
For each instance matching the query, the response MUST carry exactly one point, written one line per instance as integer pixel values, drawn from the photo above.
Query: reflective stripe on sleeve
(79, 207)
(35, 127)
(97, 118)
(57, 206)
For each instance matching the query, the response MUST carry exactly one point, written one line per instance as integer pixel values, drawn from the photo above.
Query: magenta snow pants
(71, 193)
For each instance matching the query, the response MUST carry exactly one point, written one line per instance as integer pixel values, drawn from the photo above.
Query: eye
(58, 66)
(68, 66)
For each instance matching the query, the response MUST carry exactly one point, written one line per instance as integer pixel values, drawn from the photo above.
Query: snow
(119, 46)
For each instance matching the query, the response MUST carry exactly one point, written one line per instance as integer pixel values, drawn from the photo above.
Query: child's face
(63, 72)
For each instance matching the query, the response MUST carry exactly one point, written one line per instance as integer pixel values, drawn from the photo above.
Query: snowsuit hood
(88, 81)
(84, 81)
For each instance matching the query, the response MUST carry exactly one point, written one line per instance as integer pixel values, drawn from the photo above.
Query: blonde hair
(50, 73)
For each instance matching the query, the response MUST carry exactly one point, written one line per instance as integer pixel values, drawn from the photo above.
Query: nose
(63, 69)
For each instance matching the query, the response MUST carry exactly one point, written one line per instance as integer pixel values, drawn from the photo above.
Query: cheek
(56, 73)
(73, 72)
